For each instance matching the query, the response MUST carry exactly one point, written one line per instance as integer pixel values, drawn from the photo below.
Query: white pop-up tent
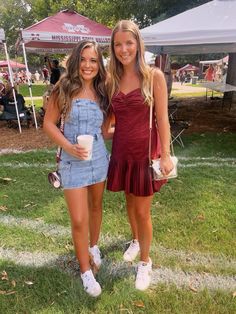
(3, 43)
(218, 61)
(149, 57)
(208, 28)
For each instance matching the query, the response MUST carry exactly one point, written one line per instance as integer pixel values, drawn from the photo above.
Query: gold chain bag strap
(54, 177)
(155, 163)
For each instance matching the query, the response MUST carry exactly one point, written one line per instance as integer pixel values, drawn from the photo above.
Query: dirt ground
(203, 116)
(207, 116)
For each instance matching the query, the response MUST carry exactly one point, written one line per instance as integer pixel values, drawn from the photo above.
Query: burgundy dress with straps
(129, 165)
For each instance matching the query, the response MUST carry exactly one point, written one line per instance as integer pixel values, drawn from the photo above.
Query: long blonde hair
(116, 68)
(71, 82)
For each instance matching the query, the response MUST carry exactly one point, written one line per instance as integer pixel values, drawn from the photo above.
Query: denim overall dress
(85, 117)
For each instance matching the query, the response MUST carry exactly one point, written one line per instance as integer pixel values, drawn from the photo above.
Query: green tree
(144, 12)
(164, 9)
(41, 9)
(108, 12)
(15, 14)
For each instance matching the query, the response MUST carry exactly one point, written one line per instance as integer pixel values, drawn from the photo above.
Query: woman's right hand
(166, 165)
(77, 151)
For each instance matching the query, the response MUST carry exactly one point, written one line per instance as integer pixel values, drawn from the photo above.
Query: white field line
(7, 151)
(50, 151)
(212, 164)
(221, 159)
(52, 230)
(37, 226)
(198, 259)
(192, 280)
(18, 165)
(36, 259)
(207, 164)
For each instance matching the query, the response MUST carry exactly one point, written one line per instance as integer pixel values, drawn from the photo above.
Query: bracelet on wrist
(165, 154)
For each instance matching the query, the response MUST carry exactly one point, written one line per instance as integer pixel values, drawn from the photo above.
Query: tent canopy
(188, 67)
(149, 57)
(208, 28)
(220, 61)
(61, 32)
(13, 64)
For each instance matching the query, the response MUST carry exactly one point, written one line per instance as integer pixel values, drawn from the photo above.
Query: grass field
(194, 251)
(37, 90)
(37, 102)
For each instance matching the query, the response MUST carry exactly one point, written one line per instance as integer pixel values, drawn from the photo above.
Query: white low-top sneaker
(91, 286)
(95, 258)
(143, 278)
(132, 251)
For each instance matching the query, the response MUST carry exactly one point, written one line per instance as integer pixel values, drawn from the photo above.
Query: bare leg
(143, 219)
(95, 194)
(130, 204)
(77, 202)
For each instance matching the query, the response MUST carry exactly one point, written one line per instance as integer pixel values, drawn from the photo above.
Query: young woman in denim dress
(81, 96)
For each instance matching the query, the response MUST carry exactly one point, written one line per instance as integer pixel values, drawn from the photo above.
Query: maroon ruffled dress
(129, 165)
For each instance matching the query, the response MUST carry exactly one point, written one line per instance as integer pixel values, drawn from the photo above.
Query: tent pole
(29, 85)
(12, 85)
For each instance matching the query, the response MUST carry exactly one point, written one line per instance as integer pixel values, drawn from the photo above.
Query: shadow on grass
(55, 288)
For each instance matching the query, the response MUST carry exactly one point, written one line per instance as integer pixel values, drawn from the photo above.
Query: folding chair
(172, 111)
(177, 128)
(9, 113)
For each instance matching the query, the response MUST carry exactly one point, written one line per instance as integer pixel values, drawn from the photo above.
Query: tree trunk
(231, 78)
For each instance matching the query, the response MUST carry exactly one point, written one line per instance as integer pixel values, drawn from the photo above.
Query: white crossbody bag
(155, 163)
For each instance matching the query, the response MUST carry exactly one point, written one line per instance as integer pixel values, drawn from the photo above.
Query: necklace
(85, 92)
(88, 93)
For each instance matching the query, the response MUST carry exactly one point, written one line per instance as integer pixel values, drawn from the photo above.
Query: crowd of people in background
(212, 72)
(49, 75)
(216, 73)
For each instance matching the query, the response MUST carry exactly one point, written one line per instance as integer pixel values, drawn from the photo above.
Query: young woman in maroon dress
(129, 89)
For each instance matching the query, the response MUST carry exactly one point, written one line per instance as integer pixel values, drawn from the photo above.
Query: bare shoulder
(158, 74)
(158, 78)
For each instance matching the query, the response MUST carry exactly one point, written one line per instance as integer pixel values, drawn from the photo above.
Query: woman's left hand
(166, 165)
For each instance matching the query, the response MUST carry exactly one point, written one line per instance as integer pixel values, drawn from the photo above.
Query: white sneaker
(132, 251)
(143, 278)
(95, 258)
(91, 286)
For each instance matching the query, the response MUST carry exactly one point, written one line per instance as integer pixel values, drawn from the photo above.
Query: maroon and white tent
(13, 64)
(188, 67)
(61, 32)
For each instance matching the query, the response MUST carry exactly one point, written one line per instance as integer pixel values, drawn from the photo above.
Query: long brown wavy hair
(71, 82)
(116, 67)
